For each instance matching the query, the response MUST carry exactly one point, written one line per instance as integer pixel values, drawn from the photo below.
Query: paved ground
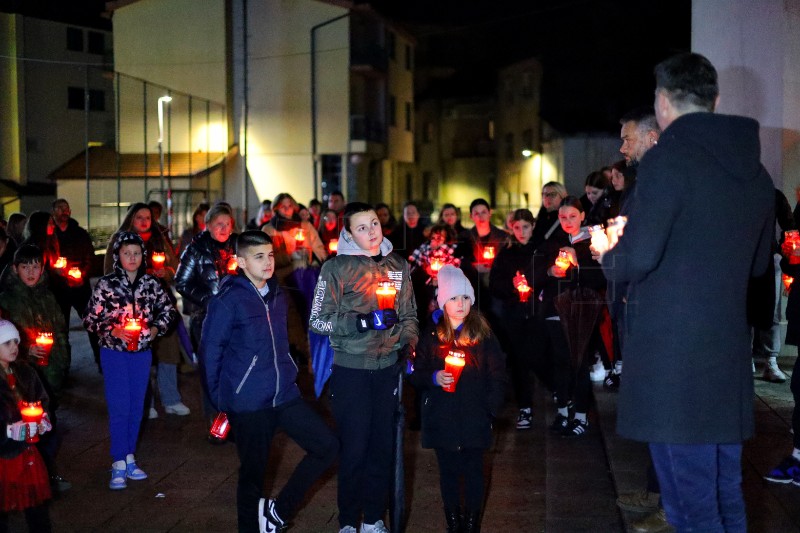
(538, 482)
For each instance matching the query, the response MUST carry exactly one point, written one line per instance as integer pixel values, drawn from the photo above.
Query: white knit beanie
(8, 331)
(453, 282)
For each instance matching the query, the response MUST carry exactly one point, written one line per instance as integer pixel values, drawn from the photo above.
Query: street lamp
(161, 101)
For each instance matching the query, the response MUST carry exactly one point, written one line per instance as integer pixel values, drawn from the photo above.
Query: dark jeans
(254, 432)
(77, 298)
(455, 466)
(363, 404)
(701, 486)
(195, 331)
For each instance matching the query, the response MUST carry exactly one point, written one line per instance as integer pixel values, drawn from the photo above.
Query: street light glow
(161, 101)
(527, 152)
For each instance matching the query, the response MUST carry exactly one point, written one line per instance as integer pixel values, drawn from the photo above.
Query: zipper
(247, 374)
(274, 358)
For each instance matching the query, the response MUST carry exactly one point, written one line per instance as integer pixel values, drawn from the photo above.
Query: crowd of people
(364, 299)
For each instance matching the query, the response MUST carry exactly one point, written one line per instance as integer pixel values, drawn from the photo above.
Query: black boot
(472, 522)
(453, 517)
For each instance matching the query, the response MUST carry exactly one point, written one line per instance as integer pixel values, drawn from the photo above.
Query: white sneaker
(177, 409)
(377, 527)
(772, 372)
(152, 414)
(348, 529)
(598, 372)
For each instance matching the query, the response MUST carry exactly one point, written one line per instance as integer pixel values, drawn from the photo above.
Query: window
(391, 44)
(527, 84)
(509, 146)
(96, 43)
(97, 99)
(409, 57)
(75, 39)
(427, 133)
(408, 116)
(392, 110)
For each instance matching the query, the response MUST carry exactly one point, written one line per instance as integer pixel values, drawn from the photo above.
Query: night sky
(598, 55)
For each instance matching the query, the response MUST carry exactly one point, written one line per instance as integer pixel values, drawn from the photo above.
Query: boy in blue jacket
(251, 376)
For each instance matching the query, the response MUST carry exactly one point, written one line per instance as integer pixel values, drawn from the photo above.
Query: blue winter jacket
(245, 348)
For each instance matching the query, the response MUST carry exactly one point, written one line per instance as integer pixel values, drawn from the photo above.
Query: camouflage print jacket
(115, 299)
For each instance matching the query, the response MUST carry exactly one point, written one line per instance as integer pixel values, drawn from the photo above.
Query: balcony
(369, 59)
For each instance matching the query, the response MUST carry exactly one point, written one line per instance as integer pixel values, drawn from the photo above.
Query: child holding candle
(368, 342)
(251, 377)
(515, 315)
(128, 292)
(551, 276)
(24, 484)
(458, 425)
(426, 262)
(26, 300)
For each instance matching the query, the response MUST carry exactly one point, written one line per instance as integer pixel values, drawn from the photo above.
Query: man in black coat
(76, 246)
(700, 225)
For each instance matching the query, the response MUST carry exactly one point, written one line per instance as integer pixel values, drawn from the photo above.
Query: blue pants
(254, 431)
(125, 376)
(363, 404)
(701, 486)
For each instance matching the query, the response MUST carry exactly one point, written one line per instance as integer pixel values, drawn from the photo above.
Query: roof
(103, 164)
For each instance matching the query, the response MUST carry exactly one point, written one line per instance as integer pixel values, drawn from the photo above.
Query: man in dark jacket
(251, 376)
(76, 246)
(700, 226)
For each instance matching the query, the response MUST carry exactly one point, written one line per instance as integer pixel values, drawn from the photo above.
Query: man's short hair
(28, 254)
(249, 239)
(153, 204)
(479, 201)
(690, 81)
(352, 209)
(59, 201)
(644, 117)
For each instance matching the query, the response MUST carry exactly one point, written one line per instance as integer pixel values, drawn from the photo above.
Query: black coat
(700, 225)
(508, 262)
(461, 419)
(203, 265)
(31, 389)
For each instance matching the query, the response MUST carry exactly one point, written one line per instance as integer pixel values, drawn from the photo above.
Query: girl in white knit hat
(458, 407)
(24, 482)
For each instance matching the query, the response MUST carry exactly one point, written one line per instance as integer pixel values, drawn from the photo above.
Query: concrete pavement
(538, 482)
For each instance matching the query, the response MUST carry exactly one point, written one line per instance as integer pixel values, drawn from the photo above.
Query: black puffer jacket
(30, 389)
(461, 419)
(203, 265)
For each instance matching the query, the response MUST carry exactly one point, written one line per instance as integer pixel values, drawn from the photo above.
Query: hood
(347, 246)
(123, 238)
(731, 140)
(241, 279)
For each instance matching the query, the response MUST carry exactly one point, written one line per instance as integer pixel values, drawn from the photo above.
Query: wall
(758, 61)
(12, 86)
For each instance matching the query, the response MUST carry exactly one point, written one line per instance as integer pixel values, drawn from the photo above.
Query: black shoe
(611, 383)
(576, 428)
(453, 517)
(559, 424)
(59, 484)
(472, 522)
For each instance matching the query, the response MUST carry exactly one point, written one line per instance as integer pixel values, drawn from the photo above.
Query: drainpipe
(314, 95)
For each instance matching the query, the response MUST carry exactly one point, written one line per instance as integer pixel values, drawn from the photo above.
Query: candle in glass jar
(134, 327)
(386, 292)
(300, 237)
(454, 364)
(60, 263)
(44, 341)
(793, 238)
(75, 273)
(333, 245)
(488, 253)
(31, 412)
(158, 260)
(562, 261)
(599, 239)
(524, 290)
(220, 426)
(436, 264)
(614, 229)
(233, 265)
(787, 282)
